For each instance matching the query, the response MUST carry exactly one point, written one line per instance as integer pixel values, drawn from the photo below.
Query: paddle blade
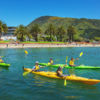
(81, 54)
(65, 83)
(25, 73)
(66, 58)
(26, 52)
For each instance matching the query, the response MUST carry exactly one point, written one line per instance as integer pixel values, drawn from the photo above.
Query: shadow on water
(55, 87)
(41, 81)
(3, 68)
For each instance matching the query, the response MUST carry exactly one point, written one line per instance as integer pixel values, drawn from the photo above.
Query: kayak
(70, 78)
(4, 64)
(67, 66)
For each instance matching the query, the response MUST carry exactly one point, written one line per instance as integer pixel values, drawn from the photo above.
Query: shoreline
(45, 45)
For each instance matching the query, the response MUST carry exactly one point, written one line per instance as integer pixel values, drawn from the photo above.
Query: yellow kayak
(70, 78)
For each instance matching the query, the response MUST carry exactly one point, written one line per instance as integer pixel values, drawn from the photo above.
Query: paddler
(60, 71)
(1, 61)
(50, 61)
(36, 67)
(71, 62)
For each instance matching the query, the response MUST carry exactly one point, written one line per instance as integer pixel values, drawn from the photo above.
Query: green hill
(87, 28)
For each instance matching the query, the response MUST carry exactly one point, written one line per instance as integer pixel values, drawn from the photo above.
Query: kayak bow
(4, 65)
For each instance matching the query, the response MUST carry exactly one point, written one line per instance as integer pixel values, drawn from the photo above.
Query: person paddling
(50, 61)
(36, 67)
(71, 62)
(60, 71)
(1, 61)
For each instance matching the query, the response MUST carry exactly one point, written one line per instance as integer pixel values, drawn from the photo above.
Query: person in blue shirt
(36, 67)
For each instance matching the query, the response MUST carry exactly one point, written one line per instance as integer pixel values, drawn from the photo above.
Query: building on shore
(9, 35)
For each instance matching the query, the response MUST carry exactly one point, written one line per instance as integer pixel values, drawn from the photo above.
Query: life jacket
(71, 62)
(51, 62)
(1, 60)
(37, 67)
(60, 72)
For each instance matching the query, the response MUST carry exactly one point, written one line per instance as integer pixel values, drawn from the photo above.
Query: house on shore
(9, 35)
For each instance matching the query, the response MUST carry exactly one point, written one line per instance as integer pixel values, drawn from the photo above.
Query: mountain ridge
(90, 27)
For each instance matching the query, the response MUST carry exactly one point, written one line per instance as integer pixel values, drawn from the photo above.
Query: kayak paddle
(26, 52)
(65, 83)
(25, 73)
(81, 54)
(66, 59)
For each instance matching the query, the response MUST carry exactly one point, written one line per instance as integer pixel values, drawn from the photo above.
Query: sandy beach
(45, 45)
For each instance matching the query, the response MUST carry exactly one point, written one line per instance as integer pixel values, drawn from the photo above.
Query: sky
(16, 12)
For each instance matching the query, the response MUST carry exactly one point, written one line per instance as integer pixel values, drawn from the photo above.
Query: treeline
(51, 33)
(54, 33)
(87, 29)
(57, 29)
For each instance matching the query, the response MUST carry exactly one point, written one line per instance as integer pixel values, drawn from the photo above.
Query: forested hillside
(86, 28)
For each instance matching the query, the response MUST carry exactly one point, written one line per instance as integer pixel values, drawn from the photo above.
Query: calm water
(13, 86)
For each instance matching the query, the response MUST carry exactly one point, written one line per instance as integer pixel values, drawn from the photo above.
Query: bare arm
(59, 73)
(42, 66)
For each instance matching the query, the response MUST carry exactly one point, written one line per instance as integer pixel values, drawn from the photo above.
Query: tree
(3, 28)
(29, 36)
(60, 33)
(71, 31)
(35, 30)
(21, 32)
(97, 38)
(51, 30)
(78, 38)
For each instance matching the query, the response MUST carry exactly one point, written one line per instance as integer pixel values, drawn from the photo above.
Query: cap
(36, 62)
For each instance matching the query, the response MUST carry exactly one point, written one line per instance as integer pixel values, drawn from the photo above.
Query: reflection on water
(73, 97)
(4, 68)
(14, 86)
